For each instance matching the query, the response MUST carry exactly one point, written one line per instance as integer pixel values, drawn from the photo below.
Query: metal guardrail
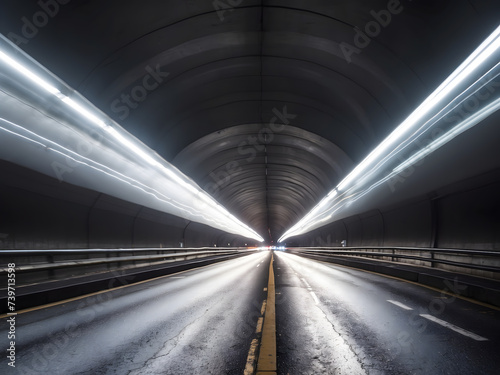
(432, 255)
(106, 250)
(44, 277)
(13, 256)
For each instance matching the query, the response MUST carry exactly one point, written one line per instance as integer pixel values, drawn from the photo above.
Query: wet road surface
(337, 320)
(329, 320)
(200, 321)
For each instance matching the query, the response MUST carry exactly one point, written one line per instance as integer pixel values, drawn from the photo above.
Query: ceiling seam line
(120, 48)
(262, 113)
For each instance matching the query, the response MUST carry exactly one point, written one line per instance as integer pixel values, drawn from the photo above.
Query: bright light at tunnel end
(320, 213)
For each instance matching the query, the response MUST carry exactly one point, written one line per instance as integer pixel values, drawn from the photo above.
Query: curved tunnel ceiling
(259, 171)
(200, 85)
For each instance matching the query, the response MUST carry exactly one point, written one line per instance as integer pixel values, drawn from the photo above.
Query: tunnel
(200, 157)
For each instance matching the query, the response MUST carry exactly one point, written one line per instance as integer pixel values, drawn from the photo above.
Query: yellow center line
(267, 354)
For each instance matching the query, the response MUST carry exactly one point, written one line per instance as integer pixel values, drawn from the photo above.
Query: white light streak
(28, 74)
(164, 175)
(425, 115)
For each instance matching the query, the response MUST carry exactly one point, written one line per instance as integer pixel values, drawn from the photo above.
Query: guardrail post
(184, 234)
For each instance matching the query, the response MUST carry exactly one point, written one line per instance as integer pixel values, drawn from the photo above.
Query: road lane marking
(333, 265)
(263, 309)
(402, 305)
(316, 300)
(453, 327)
(267, 353)
(309, 289)
(306, 283)
(249, 368)
(342, 357)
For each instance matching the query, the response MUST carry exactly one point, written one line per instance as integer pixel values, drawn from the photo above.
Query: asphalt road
(337, 320)
(329, 320)
(200, 321)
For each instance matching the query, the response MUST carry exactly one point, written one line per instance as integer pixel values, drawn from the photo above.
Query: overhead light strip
(103, 122)
(432, 104)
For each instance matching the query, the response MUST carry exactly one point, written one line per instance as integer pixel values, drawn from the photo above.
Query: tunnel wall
(38, 212)
(465, 215)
